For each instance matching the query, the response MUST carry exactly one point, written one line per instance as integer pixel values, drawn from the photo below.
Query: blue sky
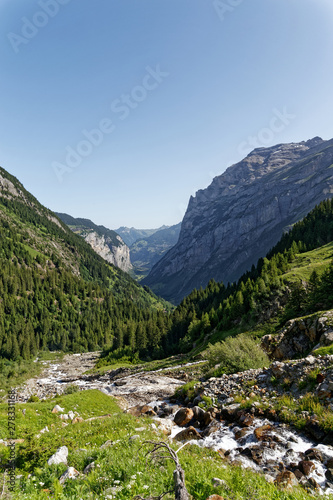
(119, 110)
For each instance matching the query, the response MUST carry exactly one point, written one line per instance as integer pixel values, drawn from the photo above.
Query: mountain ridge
(242, 214)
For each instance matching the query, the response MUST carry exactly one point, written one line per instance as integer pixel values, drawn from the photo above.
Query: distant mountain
(147, 251)
(130, 235)
(242, 214)
(106, 243)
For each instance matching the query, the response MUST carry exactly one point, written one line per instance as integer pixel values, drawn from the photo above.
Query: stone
(306, 467)
(187, 434)
(70, 473)
(57, 409)
(119, 383)
(134, 437)
(246, 420)
(165, 425)
(277, 369)
(183, 416)
(261, 432)
(107, 443)
(59, 457)
(314, 454)
(89, 468)
(219, 482)
(77, 420)
(139, 410)
(286, 479)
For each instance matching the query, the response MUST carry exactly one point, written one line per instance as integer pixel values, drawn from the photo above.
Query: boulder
(70, 473)
(306, 467)
(139, 410)
(261, 432)
(286, 479)
(183, 416)
(57, 409)
(187, 434)
(59, 457)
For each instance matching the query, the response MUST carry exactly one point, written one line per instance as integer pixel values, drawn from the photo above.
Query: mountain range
(236, 220)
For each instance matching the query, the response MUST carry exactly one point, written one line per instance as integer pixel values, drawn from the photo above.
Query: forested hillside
(57, 293)
(279, 286)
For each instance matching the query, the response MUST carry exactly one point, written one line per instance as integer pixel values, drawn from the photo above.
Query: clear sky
(119, 110)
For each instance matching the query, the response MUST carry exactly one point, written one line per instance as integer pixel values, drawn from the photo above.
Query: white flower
(145, 487)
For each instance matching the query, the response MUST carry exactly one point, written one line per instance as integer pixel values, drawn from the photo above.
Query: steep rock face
(242, 214)
(119, 255)
(106, 243)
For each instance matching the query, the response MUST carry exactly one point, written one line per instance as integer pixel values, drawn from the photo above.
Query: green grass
(122, 469)
(322, 351)
(306, 263)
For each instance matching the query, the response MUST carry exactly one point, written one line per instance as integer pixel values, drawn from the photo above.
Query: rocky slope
(145, 252)
(242, 214)
(106, 243)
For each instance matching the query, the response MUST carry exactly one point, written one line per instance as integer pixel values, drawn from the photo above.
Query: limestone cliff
(242, 214)
(106, 243)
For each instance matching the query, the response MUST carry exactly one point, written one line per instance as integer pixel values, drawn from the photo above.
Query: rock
(139, 410)
(134, 438)
(57, 409)
(165, 425)
(320, 378)
(261, 432)
(183, 416)
(212, 427)
(71, 415)
(187, 434)
(277, 369)
(270, 479)
(89, 468)
(329, 474)
(315, 431)
(286, 479)
(215, 497)
(119, 383)
(240, 433)
(327, 338)
(59, 457)
(107, 444)
(246, 420)
(77, 420)
(306, 467)
(314, 454)
(229, 412)
(219, 482)
(70, 473)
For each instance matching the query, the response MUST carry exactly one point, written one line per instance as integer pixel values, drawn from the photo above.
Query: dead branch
(155, 454)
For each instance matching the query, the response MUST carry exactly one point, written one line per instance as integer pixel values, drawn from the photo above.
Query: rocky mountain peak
(243, 213)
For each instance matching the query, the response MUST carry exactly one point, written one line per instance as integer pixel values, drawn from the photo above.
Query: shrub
(71, 388)
(236, 354)
(33, 399)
